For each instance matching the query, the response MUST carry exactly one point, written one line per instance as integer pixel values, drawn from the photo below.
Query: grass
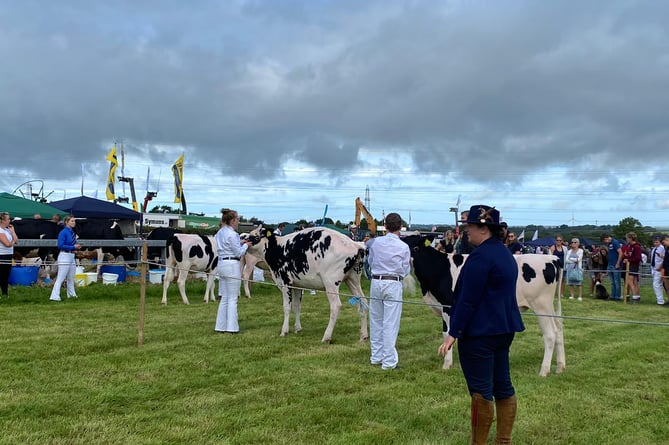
(72, 373)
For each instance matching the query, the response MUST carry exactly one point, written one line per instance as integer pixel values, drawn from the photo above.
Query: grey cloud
(521, 85)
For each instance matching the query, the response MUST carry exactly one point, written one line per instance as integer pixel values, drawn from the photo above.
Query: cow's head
(418, 241)
(257, 235)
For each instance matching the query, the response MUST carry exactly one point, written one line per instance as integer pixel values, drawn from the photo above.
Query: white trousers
(658, 288)
(66, 270)
(385, 311)
(229, 283)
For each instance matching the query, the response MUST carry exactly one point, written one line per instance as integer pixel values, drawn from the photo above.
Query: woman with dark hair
(484, 320)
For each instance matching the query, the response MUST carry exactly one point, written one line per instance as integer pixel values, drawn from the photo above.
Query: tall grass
(72, 373)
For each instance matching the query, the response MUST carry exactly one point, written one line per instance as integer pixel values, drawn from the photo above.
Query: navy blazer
(485, 293)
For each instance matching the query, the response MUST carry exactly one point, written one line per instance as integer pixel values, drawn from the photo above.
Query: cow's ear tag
(269, 234)
(427, 243)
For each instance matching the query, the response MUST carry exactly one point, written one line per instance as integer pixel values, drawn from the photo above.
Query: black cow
(104, 229)
(36, 229)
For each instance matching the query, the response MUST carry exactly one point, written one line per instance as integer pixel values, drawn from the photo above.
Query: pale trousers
(229, 283)
(658, 287)
(66, 270)
(385, 311)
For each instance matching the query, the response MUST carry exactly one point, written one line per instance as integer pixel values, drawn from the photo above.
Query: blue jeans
(485, 364)
(614, 276)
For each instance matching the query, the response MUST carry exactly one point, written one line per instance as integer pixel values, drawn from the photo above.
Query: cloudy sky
(556, 112)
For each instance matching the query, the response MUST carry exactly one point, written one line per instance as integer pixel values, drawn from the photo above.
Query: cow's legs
(286, 310)
(181, 282)
(169, 276)
(559, 348)
(548, 331)
(448, 357)
(353, 283)
(332, 292)
(209, 290)
(247, 272)
(297, 307)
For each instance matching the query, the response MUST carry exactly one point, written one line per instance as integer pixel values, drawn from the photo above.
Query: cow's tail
(558, 311)
(170, 258)
(409, 286)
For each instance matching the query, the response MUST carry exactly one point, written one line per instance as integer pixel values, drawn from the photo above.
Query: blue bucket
(23, 275)
(118, 270)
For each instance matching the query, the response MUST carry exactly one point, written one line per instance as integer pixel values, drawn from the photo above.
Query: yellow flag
(111, 157)
(178, 172)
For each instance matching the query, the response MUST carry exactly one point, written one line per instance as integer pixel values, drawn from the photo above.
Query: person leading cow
(389, 261)
(484, 320)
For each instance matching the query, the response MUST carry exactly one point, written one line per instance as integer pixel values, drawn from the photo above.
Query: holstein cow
(538, 278)
(104, 229)
(248, 263)
(314, 258)
(36, 229)
(186, 253)
(154, 254)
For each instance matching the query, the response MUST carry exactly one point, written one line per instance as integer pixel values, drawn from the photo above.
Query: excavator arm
(361, 210)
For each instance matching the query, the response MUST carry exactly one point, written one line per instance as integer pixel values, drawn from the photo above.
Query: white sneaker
(571, 298)
(55, 299)
(580, 298)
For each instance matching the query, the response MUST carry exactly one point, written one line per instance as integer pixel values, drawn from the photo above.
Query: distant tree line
(589, 231)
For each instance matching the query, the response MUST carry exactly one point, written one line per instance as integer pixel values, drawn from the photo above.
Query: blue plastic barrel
(23, 275)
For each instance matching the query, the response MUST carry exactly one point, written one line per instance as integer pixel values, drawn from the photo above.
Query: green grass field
(72, 373)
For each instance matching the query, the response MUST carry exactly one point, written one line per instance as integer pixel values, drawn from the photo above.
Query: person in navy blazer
(484, 321)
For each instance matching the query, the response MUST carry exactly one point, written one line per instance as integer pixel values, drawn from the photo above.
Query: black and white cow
(104, 229)
(248, 263)
(314, 258)
(154, 254)
(34, 229)
(190, 253)
(538, 278)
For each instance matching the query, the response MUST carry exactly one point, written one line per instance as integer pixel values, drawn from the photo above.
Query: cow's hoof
(283, 334)
(560, 369)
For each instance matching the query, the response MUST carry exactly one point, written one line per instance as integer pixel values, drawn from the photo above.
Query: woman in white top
(230, 249)
(574, 266)
(7, 240)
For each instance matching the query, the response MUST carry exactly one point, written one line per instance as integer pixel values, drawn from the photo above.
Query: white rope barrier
(355, 299)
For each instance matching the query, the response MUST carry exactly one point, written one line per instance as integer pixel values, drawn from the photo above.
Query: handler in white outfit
(656, 269)
(389, 261)
(230, 250)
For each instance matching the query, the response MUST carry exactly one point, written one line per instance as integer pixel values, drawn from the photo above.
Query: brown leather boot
(506, 415)
(482, 413)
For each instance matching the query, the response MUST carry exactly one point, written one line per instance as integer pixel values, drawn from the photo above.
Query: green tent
(25, 208)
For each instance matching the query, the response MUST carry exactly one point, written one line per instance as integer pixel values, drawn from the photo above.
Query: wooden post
(142, 294)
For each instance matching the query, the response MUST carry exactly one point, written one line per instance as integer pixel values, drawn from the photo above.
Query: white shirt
(658, 253)
(388, 255)
(4, 250)
(229, 244)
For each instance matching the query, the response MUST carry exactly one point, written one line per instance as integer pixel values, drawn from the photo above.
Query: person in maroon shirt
(632, 255)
